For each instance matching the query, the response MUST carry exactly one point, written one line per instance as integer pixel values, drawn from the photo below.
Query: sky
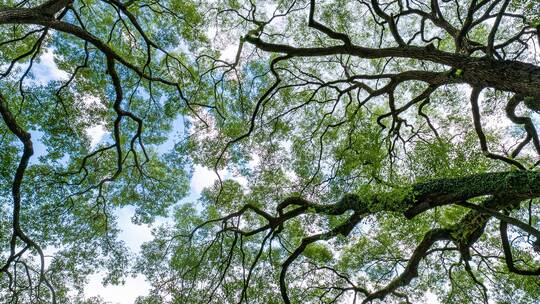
(44, 70)
(133, 235)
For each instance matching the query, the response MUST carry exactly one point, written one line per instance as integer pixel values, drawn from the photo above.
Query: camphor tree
(366, 151)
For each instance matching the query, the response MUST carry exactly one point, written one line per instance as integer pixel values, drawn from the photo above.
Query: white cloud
(96, 133)
(117, 294)
(229, 52)
(134, 236)
(202, 178)
(431, 298)
(46, 69)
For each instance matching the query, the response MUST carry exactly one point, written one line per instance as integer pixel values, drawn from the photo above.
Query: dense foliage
(377, 151)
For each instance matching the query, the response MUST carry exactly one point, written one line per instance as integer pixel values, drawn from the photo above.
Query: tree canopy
(368, 151)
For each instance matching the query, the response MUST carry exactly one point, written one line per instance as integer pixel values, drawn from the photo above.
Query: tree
(365, 150)
(114, 75)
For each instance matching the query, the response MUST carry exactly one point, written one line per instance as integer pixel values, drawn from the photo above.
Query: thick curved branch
(481, 136)
(514, 76)
(344, 229)
(34, 16)
(495, 27)
(321, 27)
(527, 122)
(503, 227)
(411, 270)
(525, 227)
(25, 138)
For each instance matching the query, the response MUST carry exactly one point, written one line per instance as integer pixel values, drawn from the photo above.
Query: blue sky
(134, 236)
